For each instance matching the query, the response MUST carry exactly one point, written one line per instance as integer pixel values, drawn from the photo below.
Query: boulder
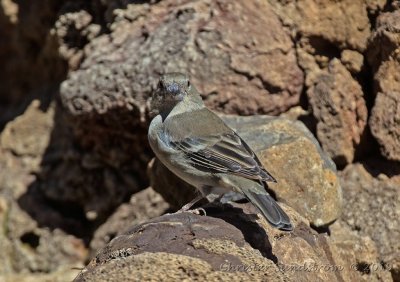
(371, 207)
(230, 243)
(383, 55)
(338, 104)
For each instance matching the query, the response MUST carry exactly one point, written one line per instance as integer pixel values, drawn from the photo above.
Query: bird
(195, 144)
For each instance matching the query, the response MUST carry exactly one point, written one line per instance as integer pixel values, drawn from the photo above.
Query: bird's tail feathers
(270, 209)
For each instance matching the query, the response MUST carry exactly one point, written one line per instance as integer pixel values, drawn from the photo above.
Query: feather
(216, 148)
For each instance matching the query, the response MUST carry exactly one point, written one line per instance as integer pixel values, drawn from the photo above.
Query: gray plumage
(195, 144)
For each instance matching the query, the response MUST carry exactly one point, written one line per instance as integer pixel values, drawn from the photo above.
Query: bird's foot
(198, 211)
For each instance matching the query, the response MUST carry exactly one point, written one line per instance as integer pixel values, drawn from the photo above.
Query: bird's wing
(217, 149)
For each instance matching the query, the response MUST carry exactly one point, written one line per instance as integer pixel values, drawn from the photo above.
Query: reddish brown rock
(323, 29)
(372, 207)
(228, 244)
(357, 253)
(142, 206)
(384, 56)
(247, 75)
(33, 233)
(343, 23)
(324, 32)
(338, 105)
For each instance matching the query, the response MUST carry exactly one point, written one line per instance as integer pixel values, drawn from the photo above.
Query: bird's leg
(186, 208)
(214, 198)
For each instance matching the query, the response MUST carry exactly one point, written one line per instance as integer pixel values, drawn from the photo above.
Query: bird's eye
(188, 83)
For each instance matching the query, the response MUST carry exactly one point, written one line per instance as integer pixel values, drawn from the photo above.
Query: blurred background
(76, 76)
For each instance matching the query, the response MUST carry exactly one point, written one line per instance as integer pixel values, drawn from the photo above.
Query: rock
(56, 175)
(27, 48)
(187, 246)
(323, 29)
(142, 206)
(20, 135)
(384, 57)
(384, 41)
(385, 115)
(327, 23)
(326, 31)
(33, 235)
(25, 245)
(352, 60)
(338, 105)
(371, 206)
(311, 188)
(74, 28)
(256, 74)
(228, 243)
(64, 273)
(358, 254)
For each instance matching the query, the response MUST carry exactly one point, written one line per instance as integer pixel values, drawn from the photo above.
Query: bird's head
(173, 88)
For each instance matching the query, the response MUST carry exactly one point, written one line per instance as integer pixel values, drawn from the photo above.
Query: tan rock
(142, 206)
(306, 176)
(352, 60)
(20, 135)
(357, 254)
(371, 206)
(384, 56)
(64, 273)
(229, 244)
(338, 105)
(343, 23)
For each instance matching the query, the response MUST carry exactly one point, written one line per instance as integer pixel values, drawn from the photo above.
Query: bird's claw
(198, 211)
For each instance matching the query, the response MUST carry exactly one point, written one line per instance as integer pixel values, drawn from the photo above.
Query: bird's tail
(270, 209)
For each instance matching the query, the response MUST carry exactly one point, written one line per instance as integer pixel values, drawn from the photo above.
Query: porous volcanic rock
(338, 105)
(371, 207)
(384, 56)
(230, 243)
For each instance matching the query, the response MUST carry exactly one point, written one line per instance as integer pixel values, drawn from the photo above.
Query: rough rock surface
(33, 232)
(27, 48)
(64, 273)
(372, 208)
(324, 29)
(228, 244)
(326, 32)
(352, 60)
(343, 23)
(142, 206)
(384, 56)
(357, 252)
(66, 181)
(339, 107)
(306, 176)
(251, 75)
(67, 178)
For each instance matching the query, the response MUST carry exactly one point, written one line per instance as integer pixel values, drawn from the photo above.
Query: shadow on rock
(252, 232)
(80, 178)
